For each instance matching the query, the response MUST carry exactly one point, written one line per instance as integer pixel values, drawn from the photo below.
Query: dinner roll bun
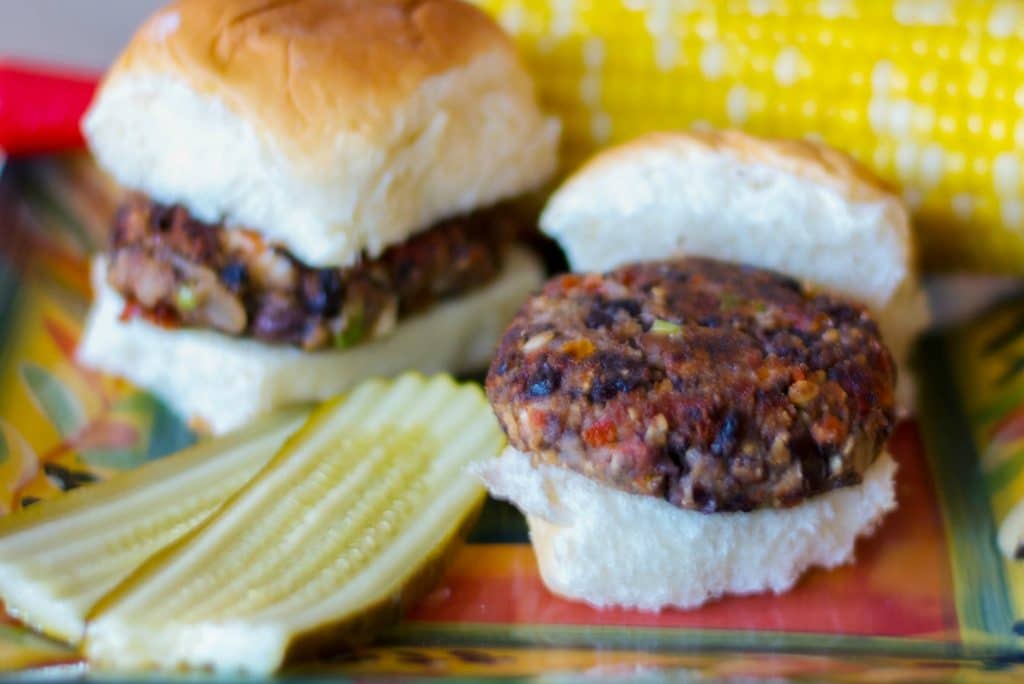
(607, 547)
(797, 207)
(333, 127)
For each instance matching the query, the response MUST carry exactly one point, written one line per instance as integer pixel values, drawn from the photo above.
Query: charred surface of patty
(715, 386)
(177, 270)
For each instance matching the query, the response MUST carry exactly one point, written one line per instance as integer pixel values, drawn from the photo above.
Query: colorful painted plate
(929, 596)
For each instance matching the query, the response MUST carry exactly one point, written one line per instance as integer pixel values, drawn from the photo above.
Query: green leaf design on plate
(53, 398)
(158, 432)
(116, 459)
(5, 451)
(10, 303)
(168, 433)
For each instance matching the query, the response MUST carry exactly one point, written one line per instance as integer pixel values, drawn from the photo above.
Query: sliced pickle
(349, 523)
(58, 558)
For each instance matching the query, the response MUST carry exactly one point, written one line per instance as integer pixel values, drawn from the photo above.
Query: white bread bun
(611, 548)
(330, 126)
(223, 382)
(791, 206)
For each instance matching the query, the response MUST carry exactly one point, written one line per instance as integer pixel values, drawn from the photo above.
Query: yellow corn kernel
(924, 93)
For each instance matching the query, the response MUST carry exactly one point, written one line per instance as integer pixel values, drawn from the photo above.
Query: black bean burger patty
(178, 270)
(715, 386)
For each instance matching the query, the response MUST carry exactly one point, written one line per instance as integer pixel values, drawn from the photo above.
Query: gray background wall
(86, 33)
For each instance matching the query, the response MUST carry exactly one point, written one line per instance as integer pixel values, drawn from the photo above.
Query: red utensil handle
(40, 107)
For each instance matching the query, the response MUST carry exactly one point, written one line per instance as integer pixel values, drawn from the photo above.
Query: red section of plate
(41, 106)
(876, 596)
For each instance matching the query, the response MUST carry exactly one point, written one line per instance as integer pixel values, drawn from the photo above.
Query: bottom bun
(223, 382)
(611, 548)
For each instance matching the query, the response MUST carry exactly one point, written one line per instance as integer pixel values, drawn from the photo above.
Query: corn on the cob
(926, 93)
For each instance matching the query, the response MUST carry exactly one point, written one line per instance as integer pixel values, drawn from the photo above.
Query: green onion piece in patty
(660, 327)
(185, 298)
(354, 331)
(730, 301)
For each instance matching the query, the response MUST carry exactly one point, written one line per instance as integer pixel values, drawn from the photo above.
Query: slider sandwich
(702, 408)
(316, 194)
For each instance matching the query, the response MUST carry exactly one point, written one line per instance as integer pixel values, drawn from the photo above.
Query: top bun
(331, 126)
(795, 207)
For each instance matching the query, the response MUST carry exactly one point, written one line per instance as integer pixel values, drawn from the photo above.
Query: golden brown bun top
(334, 127)
(304, 68)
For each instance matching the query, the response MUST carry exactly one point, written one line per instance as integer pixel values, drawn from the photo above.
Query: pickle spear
(349, 523)
(58, 558)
